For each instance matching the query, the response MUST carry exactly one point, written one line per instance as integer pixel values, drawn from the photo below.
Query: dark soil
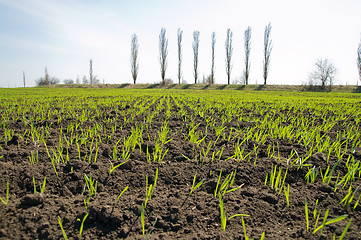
(171, 213)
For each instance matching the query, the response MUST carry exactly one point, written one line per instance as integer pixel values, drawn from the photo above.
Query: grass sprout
(62, 228)
(82, 225)
(194, 187)
(112, 167)
(91, 185)
(224, 218)
(116, 201)
(6, 201)
(150, 190)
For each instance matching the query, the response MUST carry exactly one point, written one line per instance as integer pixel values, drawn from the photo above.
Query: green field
(175, 162)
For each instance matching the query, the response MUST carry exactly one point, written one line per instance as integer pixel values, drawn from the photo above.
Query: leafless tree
(247, 50)
(46, 76)
(324, 73)
(267, 51)
(212, 67)
(359, 60)
(24, 78)
(229, 52)
(163, 52)
(134, 57)
(85, 80)
(47, 79)
(68, 81)
(195, 46)
(179, 35)
(91, 77)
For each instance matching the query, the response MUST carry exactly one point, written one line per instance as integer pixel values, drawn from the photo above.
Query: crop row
(115, 126)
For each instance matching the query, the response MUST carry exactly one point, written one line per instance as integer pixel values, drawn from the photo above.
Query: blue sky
(64, 35)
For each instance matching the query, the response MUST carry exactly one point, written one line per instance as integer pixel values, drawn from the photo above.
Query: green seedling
(224, 218)
(345, 229)
(62, 229)
(42, 187)
(150, 231)
(275, 180)
(227, 183)
(349, 197)
(91, 184)
(287, 194)
(52, 159)
(306, 213)
(82, 225)
(6, 201)
(325, 223)
(327, 176)
(33, 158)
(112, 167)
(116, 201)
(196, 186)
(245, 232)
(311, 175)
(150, 190)
(142, 219)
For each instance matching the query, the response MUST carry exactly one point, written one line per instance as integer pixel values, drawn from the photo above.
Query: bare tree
(24, 78)
(85, 80)
(212, 67)
(46, 79)
(68, 81)
(91, 77)
(179, 35)
(359, 60)
(195, 46)
(229, 52)
(267, 51)
(247, 50)
(163, 52)
(324, 73)
(134, 57)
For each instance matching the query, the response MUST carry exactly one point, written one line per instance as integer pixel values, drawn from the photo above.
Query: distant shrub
(51, 81)
(68, 81)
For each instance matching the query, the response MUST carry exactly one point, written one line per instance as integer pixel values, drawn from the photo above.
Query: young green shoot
(306, 213)
(91, 185)
(345, 230)
(287, 194)
(150, 190)
(116, 201)
(62, 229)
(142, 219)
(112, 167)
(196, 186)
(6, 201)
(224, 218)
(82, 225)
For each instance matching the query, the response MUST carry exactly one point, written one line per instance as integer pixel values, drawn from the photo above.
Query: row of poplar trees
(163, 53)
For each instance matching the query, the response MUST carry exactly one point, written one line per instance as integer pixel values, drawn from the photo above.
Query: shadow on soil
(357, 90)
(222, 87)
(153, 86)
(124, 85)
(241, 87)
(187, 86)
(316, 89)
(206, 86)
(260, 87)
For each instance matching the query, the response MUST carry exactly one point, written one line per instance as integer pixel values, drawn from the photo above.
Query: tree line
(163, 53)
(324, 73)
